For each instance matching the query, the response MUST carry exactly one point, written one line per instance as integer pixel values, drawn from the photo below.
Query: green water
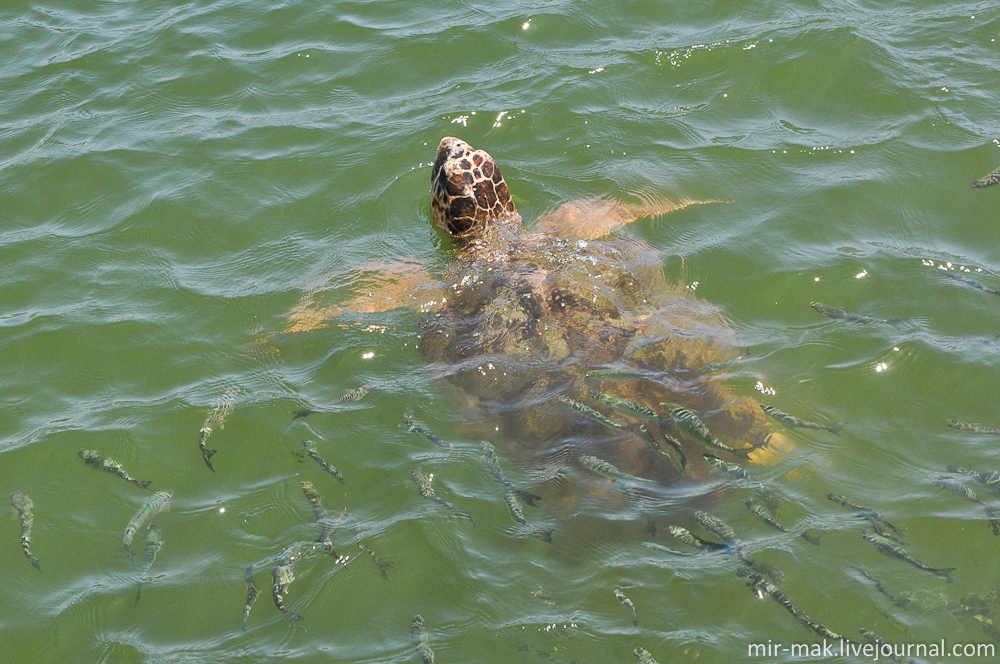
(175, 177)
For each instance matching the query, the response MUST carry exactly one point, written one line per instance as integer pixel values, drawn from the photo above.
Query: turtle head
(467, 191)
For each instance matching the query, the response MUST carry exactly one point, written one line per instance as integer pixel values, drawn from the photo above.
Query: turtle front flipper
(383, 288)
(591, 218)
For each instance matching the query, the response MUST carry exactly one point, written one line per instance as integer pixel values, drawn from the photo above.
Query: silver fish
(643, 432)
(423, 483)
(763, 514)
(624, 405)
(285, 557)
(357, 394)
(765, 588)
(840, 314)
(310, 446)
(643, 656)
(22, 505)
(281, 577)
(216, 419)
(954, 486)
(879, 522)
(691, 426)
(972, 427)
(602, 467)
(718, 528)
(793, 422)
(413, 425)
(687, 537)
(890, 548)
(153, 505)
(620, 374)
(95, 460)
(991, 178)
(969, 282)
(590, 413)
(653, 546)
(629, 605)
(990, 480)
(493, 463)
(418, 636)
(153, 542)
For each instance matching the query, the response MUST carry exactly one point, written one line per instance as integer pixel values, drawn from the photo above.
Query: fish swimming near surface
(95, 460)
(840, 314)
(879, 522)
(876, 640)
(153, 542)
(990, 480)
(516, 513)
(954, 486)
(764, 514)
(624, 405)
(253, 592)
(659, 548)
(622, 373)
(153, 505)
(281, 577)
(972, 427)
(969, 282)
(357, 394)
(22, 505)
(890, 548)
(622, 480)
(413, 425)
(216, 419)
(643, 432)
(310, 446)
(629, 605)
(591, 414)
(493, 463)
(793, 422)
(736, 472)
(285, 557)
(991, 178)
(689, 424)
(423, 483)
(765, 588)
(718, 527)
(643, 656)
(359, 534)
(327, 522)
(687, 537)
(418, 636)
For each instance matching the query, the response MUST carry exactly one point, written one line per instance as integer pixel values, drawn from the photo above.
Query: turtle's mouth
(467, 189)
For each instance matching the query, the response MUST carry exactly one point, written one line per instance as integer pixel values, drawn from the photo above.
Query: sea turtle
(522, 315)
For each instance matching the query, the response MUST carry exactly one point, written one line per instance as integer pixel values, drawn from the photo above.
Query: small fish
(879, 522)
(990, 480)
(840, 314)
(954, 486)
(619, 374)
(153, 542)
(544, 534)
(357, 394)
(253, 592)
(972, 427)
(736, 472)
(22, 505)
(310, 446)
(153, 505)
(969, 282)
(93, 459)
(493, 463)
(643, 432)
(327, 523)
(624, 405)
(793, 422)
(282, 576)
(763, 514)
(718, 528)
(993, 177)
(775, 575)
(418, 636)
(687, 537)
(423, 483)
(621, 479)
(643, 656)
(890, 548)
(413, 425)
(590, 413)
(718, 366)
(691, 425)
(898, 600)
(653, 546)
(629, 605)
(765, 588)
(216, 419)
(876, 640)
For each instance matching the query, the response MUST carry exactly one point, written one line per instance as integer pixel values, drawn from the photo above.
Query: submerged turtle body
(527, 313)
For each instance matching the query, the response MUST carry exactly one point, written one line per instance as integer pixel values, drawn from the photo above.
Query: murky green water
(175, 177)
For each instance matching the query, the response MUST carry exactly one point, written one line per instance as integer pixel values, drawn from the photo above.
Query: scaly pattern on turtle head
(467, 191)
